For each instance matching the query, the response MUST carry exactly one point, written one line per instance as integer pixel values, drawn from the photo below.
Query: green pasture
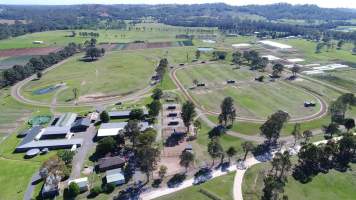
(253, 99)
(330, 186)
(221, 187)
(117, 73)
(307, 49)
(345, 79)
(8, 62)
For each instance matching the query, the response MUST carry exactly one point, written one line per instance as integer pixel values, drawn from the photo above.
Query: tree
(132, 130)
(93, 53)
(337, 110)
(349, 124)
(66, 155)
(188, 114)
(73, 190)
(295, 70)
(296, 133)
(331, 129)
(228, 111)
(307, 134)
(186, 158)
(318, 47)
(75, 93)
(137, 114)
(195, 82)
(147, 138)
(154, 107)
(215, 149)
(105, 145)
(157, 94)
(54, 166)
(247, 147)
(281, 164)
(277, 69)
(340, 43)
(104, 117)
(148, 157)
(197, 126)
(162, 171)
(39, 75)
(197, 54)
(237, 58)
(272, 127)
(231, 151)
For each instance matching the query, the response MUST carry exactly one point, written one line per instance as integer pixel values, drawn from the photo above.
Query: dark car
(202, 176)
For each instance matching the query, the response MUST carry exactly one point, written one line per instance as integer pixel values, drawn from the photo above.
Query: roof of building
(32, 131)
(51, 184)
(112, 129)
(114, 175)
(81, 122)
(123, 113)
(31, 134)
(111, 161)
(49, 144)
(66, 119)
(81, 182)
(56, 130)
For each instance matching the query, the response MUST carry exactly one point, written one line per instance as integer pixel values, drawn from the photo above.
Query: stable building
(80, 125)
(67, 119)
(115, 177)
(113, 129)
(123, 114)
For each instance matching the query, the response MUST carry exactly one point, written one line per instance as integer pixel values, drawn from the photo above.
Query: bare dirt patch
(96, 97)
(28, 51)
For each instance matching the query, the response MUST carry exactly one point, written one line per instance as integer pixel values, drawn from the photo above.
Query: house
(112, 129)
(109, 163)
(83, 183)
(50, 188)
(123, 114)
(81, 125)
(115, 176)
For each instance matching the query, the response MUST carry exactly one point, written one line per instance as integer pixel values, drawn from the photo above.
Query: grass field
(331, 186)
(252, 99)
(221, 187)
(8, 62)
(151, 32)
(345, 79)
(117, 73)
(307, 49)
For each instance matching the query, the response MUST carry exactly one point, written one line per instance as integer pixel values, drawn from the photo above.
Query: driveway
(31, 186)
(79, 158)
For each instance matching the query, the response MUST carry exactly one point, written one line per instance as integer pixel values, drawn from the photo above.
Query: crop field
(330, 186)
(307, 49)
(253, 99)
(117, 73)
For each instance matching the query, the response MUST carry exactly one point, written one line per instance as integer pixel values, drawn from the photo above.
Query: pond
(48, 89)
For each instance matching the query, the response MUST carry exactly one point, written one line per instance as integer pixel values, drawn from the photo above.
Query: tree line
(36, 64)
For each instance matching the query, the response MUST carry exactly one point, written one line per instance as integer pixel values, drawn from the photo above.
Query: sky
(321, 3)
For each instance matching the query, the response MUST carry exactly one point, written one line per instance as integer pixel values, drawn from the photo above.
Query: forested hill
(271, 12)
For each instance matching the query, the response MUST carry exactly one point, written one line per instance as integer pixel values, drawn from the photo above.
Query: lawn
(345, 79)
(220, 186)
(117, 73)
(14, 178)
(330, 186)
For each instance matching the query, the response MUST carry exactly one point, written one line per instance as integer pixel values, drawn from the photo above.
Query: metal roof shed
(115, 176)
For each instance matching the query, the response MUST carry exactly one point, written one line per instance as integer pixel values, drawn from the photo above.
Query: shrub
(95, 191)
(109, 188)
(73, 190)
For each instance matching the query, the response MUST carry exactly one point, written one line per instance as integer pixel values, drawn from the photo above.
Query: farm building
(41, 138)
(109, 163)
(115, 176)
(36, 129)
(81, 125)
(112, 129)
(67, 119)
(123, 114)
(83, 183)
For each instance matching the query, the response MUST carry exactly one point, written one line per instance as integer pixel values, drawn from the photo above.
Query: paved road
(31, 186)
(79, 158)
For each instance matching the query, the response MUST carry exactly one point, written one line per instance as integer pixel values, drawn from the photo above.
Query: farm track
(321, 113)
